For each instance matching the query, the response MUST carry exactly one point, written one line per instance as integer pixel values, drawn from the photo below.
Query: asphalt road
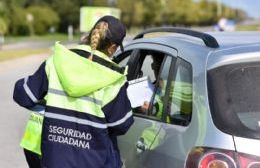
(12, 117)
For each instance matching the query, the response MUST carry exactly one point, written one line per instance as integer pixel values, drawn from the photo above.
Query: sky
(252, 7)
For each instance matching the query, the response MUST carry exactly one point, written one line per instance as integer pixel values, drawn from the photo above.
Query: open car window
(123, 58)
(156, 66)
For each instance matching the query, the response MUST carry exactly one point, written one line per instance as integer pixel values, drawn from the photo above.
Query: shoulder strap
(99, 60)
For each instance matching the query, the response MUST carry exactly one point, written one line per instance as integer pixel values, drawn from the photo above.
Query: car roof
(224, 39)
(231, 39)
(187, 43)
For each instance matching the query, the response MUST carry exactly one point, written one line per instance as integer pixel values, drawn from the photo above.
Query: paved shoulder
(12, 117)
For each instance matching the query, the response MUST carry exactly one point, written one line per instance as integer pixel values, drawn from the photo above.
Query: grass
(48, 37)
(11, 54)
(255, 27)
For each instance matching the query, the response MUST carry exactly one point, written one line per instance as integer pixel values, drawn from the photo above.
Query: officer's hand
(145, 106)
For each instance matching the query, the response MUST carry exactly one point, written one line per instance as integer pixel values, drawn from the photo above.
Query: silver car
(205, 111)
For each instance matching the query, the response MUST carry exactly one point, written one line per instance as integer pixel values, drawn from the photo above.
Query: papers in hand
(139, 91)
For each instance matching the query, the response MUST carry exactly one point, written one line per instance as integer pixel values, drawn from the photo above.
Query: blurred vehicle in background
(225, 25)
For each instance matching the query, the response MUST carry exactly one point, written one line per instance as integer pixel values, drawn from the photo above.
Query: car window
(146, 69)
(180, 99)
(158, 105)
(234, 95)
(156, 66)
(123, 58)
(123, 62)
(243, 89)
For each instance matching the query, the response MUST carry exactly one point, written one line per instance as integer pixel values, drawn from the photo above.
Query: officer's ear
(112, 49)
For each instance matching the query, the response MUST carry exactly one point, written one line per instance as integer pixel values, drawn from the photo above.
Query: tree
(28, 3)
(3, 29)
(99, 3)
(3, 26)
(207, 12)
(241, 15)
(43, 18)
(152, 12)
(14, 16)
(4, 12)
(18, 26)
(68, 10)
(131, 12)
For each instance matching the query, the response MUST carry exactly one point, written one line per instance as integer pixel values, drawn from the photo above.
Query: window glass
(161, 83)
(123, 62)
(147, 68)
(234, 95)
(123, 58)
(156, 66)
(181, 95)
(243, 91)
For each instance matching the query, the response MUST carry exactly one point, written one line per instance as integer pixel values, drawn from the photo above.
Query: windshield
(234, 95)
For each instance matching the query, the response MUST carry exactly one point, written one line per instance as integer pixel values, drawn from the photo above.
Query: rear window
(234, 95)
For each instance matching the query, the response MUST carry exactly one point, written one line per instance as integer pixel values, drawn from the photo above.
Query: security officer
(86, 100)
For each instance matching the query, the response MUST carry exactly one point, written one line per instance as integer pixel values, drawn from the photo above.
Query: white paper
(139, 91)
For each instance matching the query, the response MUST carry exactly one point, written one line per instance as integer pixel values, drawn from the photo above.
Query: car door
(140, 142)
(171, 151)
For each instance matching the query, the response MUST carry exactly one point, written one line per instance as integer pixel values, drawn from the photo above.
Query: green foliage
(240, 15)
(253, 27)
(68, 10)
(152, 10)
(99, 3)
(3, 26)
(18, 26)
(43, 18)
(174, 12)
(208, 12)
(134, 13)
(4, 13)
(14, 17)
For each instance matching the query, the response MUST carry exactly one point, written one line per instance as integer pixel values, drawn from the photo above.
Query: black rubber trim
(209, 40)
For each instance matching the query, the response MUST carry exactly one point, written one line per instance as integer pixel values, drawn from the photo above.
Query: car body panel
(247, 145)
(152, 46)
(236, 55)
(241, 54)
(131, 156)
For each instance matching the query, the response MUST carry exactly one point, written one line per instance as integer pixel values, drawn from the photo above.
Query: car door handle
(140, 145)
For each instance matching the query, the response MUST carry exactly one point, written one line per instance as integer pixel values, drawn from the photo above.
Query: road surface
(12, 117)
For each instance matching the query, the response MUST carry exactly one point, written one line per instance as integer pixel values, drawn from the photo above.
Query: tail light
(201, 157)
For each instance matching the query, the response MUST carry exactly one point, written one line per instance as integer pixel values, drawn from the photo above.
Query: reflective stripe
(28, 91)
(62, 93)
(122, 120)
(87, 122)
(41, 112)
(74, 119)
